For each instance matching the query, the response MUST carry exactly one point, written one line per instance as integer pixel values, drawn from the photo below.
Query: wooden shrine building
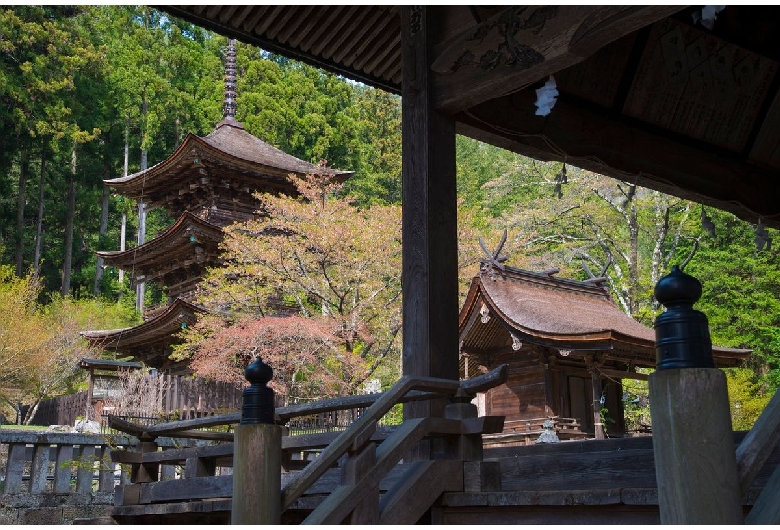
(566, 345)
(206, 184)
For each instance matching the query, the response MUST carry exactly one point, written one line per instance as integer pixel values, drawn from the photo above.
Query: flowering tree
(317, 256)
(306, 360)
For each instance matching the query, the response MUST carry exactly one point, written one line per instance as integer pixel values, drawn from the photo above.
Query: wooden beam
(524, 44)
(622, 374)
(759, 443)
(625, 149)
(429, 213)
(766, 510)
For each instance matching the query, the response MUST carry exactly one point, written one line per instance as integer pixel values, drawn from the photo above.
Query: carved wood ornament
(496, 42)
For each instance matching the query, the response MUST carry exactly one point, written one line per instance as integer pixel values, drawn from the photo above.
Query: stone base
(52, 508)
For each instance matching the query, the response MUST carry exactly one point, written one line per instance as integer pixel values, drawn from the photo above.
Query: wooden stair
(358, 468)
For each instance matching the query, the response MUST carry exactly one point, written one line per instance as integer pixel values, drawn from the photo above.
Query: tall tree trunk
(41, 204)
(633, 266)
(103, 227)
(21, 199)
(140, 289)
(71, 205)
(123, 230)
(661, 213)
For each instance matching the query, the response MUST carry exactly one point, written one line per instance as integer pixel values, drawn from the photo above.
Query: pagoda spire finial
(229, 106)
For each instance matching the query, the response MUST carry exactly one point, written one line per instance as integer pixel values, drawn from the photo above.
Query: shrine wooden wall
(534, 391)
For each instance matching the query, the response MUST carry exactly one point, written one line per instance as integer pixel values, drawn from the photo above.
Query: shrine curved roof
(555, 312)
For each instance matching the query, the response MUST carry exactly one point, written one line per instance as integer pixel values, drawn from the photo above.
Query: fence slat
(86, 469)
(14, 469)
(62, 468)
(40, 468)
(107, 467)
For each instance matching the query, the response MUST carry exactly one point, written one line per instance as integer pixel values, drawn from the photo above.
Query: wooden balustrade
(752, 454)
(371, 453)
(59, 463)
(526, 432)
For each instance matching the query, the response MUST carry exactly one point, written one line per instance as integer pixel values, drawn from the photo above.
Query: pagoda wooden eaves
(221, 170)
(177, 256)
(148, 342)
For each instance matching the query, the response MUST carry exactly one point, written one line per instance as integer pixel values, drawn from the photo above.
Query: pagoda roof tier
(151, 341)
(508, 309)
(187, 247)
(229, 165)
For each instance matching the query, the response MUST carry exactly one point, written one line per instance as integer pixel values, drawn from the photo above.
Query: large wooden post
(430, 281)
(257, 457)
(693, 442)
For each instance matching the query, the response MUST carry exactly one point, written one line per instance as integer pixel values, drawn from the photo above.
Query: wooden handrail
(284, 414)
(758, 444)
(381, 406)
(334, 444)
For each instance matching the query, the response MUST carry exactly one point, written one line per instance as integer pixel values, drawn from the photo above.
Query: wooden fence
(181, 398)
(62, 410)
(187, 397)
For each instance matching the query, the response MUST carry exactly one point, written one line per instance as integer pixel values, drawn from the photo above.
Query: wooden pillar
(257, 456)
(595, 382)
(429, 211)
(141, 473)
(257, 475)
(598, 423)
(89, 413)
(549, 383)
(693, 442)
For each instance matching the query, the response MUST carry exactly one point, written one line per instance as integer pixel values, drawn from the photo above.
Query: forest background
(87, 93)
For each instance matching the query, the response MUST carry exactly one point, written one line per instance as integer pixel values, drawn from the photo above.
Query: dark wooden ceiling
(646, 94)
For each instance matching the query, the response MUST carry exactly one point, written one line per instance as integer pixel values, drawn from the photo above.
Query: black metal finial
(258, 398)
(229, 108)
(682, 335)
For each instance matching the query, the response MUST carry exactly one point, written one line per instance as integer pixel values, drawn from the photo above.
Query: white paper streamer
(546, 97)
(707, 16)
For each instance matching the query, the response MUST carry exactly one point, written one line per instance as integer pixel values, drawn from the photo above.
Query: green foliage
(636, 404)
(741, 293)
(748, 397)
(488, 178)
(40, 345)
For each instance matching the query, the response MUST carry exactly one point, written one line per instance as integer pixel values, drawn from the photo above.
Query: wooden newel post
(693, 442)
(257, 469)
